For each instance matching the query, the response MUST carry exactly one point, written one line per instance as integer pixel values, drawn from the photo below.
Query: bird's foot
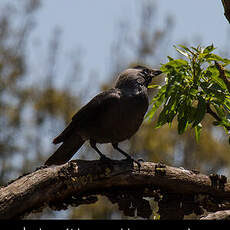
(140, 160)
(129, 158)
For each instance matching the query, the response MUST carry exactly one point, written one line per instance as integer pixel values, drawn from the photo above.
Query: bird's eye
(149, 79)
(140, 80)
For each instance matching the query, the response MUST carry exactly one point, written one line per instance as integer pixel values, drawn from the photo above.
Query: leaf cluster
(193, 87)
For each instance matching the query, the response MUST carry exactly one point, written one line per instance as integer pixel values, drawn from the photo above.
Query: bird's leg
(102, 156)
(128, 157)
(115, 146)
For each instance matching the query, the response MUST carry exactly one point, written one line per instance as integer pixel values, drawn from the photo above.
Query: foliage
(193, 87)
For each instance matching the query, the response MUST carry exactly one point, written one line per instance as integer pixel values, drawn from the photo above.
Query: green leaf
(198, 49)
(182, 125)
(209, 49)
(227, 73)
(200, 112)
(162, 119)
(198, 129)
(213, 73)
(193, 92)
(154, 86)
(170, 58)
(191, 114)
(215, 57)
(169, 110)
(187, 49)
(176, 63)
(192, 81)
(227, 103)
(220, 110)
(182, 52)
(157, 101)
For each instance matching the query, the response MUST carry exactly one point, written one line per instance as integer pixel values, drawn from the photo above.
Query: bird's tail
(65, 152)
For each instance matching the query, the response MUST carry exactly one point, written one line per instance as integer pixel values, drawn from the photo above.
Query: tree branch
(78, 182)
(226, 5)
(220, 215)
(222, 74)
(214, 115)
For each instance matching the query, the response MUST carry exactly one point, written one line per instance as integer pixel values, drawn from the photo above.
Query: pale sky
(92, 26)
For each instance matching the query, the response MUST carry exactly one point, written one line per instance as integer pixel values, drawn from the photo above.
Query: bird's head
(147, 73)
(137, 75)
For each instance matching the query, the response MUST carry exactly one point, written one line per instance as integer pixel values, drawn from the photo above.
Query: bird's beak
(155, 72)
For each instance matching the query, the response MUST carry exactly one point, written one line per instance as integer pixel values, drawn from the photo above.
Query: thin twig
(222, 75)
(214, 115)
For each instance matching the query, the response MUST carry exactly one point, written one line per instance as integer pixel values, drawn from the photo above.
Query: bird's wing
(91, 112)
(99, 104)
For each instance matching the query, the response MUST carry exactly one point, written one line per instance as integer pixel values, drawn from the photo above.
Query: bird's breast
(129, 116)
(120, 121)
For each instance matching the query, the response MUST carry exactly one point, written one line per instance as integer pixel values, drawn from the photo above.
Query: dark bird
(110, 117)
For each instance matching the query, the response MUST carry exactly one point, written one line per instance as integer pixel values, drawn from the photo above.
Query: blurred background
(56, 55)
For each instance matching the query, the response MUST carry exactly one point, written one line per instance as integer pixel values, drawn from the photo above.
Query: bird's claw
(138, 163)
(129, 158)
(140, 160)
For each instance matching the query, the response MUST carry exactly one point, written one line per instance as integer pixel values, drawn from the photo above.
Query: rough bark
(77, 182)
(220, 215)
